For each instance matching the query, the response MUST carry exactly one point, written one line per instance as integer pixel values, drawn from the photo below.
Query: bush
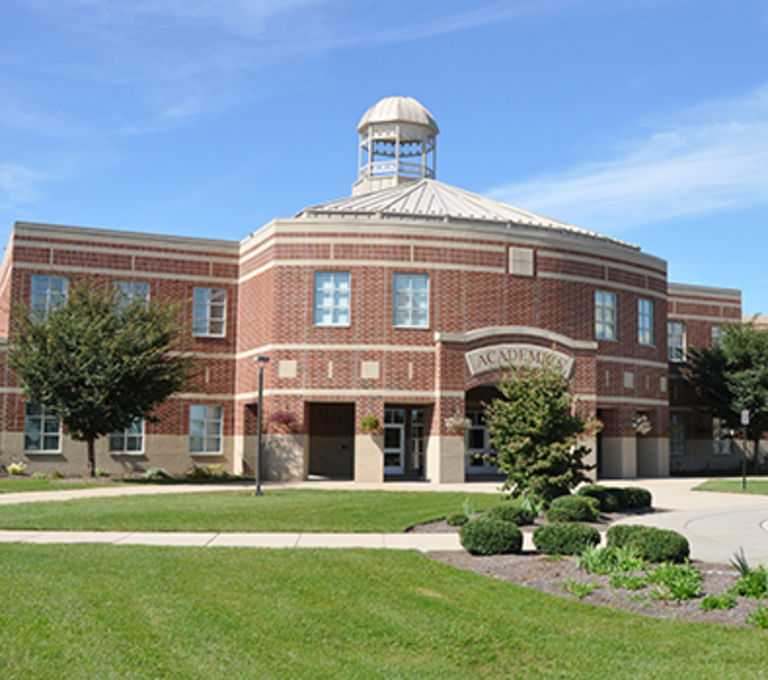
(579, 589)
(636, 497)
(759, 617)
(596, 560)
(565, 538)
(659, 545)
(608, 500)
(753, 583)
(618, 535)
(713, 602)
(457, 519)
(676, 581)
(17, 468)
(573, 509)
(627, 581)
(512, 511)
(490, 537)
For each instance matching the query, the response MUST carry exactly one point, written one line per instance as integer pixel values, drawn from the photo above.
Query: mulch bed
(548, 574)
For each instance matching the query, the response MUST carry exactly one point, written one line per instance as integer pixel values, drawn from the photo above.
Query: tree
(99, 360)
(732, 376)
(534, 429)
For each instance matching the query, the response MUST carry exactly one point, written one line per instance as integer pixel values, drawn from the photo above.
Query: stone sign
(498, 356)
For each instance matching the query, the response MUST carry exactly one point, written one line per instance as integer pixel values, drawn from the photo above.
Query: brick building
(401, 301)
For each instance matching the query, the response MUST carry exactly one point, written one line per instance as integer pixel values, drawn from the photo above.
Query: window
(676, 340)
(521, 261)
(130, 440)
(47, 292)
(411, 300)
(676, 434)
(42, 429)
(331, 299)
(130, 291)
(645, 321)
(210, 311)
(717, 335)
(605, 315)
(204, 428)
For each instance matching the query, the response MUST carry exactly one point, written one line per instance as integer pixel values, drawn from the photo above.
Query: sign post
(744, 423)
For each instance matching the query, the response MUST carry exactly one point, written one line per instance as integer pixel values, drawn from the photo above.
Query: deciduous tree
(732, 376)
(534, 428)
(98, 360)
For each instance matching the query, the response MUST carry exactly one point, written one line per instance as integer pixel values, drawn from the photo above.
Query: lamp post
(260, 361)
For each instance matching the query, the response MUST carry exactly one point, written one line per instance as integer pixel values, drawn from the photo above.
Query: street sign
(745, 417)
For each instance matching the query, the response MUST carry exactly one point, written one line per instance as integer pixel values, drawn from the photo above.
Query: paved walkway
(716, 524)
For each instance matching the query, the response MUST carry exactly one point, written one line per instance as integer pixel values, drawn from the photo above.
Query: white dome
(398, 109)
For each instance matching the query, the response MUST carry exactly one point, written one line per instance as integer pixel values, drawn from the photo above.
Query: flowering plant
(456, 424)
(641, 424)
(282, 420)
(17, 467)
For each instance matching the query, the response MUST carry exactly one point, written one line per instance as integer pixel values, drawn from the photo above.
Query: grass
(20, 484)
(303, 510)
(148, 612)
(758, 486)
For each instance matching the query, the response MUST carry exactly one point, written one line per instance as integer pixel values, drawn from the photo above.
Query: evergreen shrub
(573, 509)
(659, 545)
(512, 511)
(491, 537)
(637, 497)
(565, 538)
(618, 535)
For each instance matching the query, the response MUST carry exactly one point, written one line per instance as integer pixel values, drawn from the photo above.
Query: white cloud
(17, 184)
(710, 158)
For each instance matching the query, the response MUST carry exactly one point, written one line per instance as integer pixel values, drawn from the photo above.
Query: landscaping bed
(548, 574)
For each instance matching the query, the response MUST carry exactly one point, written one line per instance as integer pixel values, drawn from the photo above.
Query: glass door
(394, 441)
(477, 443)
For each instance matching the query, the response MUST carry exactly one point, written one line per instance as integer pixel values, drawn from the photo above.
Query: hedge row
(613, 498)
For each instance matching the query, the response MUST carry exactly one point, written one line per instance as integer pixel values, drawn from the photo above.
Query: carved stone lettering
(499, 356)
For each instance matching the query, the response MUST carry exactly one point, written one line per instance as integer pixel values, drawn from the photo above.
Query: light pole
(260, 361)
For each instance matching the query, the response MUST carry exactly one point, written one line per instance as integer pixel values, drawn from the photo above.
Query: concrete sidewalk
(716, 524)
(405, 541)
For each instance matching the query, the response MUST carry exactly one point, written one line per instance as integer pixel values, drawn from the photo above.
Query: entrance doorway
(478, 444)
(331, 440)
(404, 441)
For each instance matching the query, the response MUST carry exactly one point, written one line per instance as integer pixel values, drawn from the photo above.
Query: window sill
(57, 452)
(332, 325)
(411, 328)
(205, 454)
(127, 453)
(208, 335)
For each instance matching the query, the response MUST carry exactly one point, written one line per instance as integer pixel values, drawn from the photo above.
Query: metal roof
(429, 199)
(398, 109)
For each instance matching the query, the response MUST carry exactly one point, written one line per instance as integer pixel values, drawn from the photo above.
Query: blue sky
(641, 119)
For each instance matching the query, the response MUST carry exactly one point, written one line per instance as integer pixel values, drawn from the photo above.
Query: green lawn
(145, 612)
(19, 484)
(759, 486)
(277, 510)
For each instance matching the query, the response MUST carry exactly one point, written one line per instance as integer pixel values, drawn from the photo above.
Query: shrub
(579, 589)
(637, 497)
(38, 475)
(619, 534)
(512, 511)
(101, 472)
(753, 583)
(573, 509)
(608, 500)
(713, 602)
(759, 617)
(565, 538)
(676, 581)
(56, 474)
(659, 545)
(490, 537)
(457, 519)
(596, 560)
